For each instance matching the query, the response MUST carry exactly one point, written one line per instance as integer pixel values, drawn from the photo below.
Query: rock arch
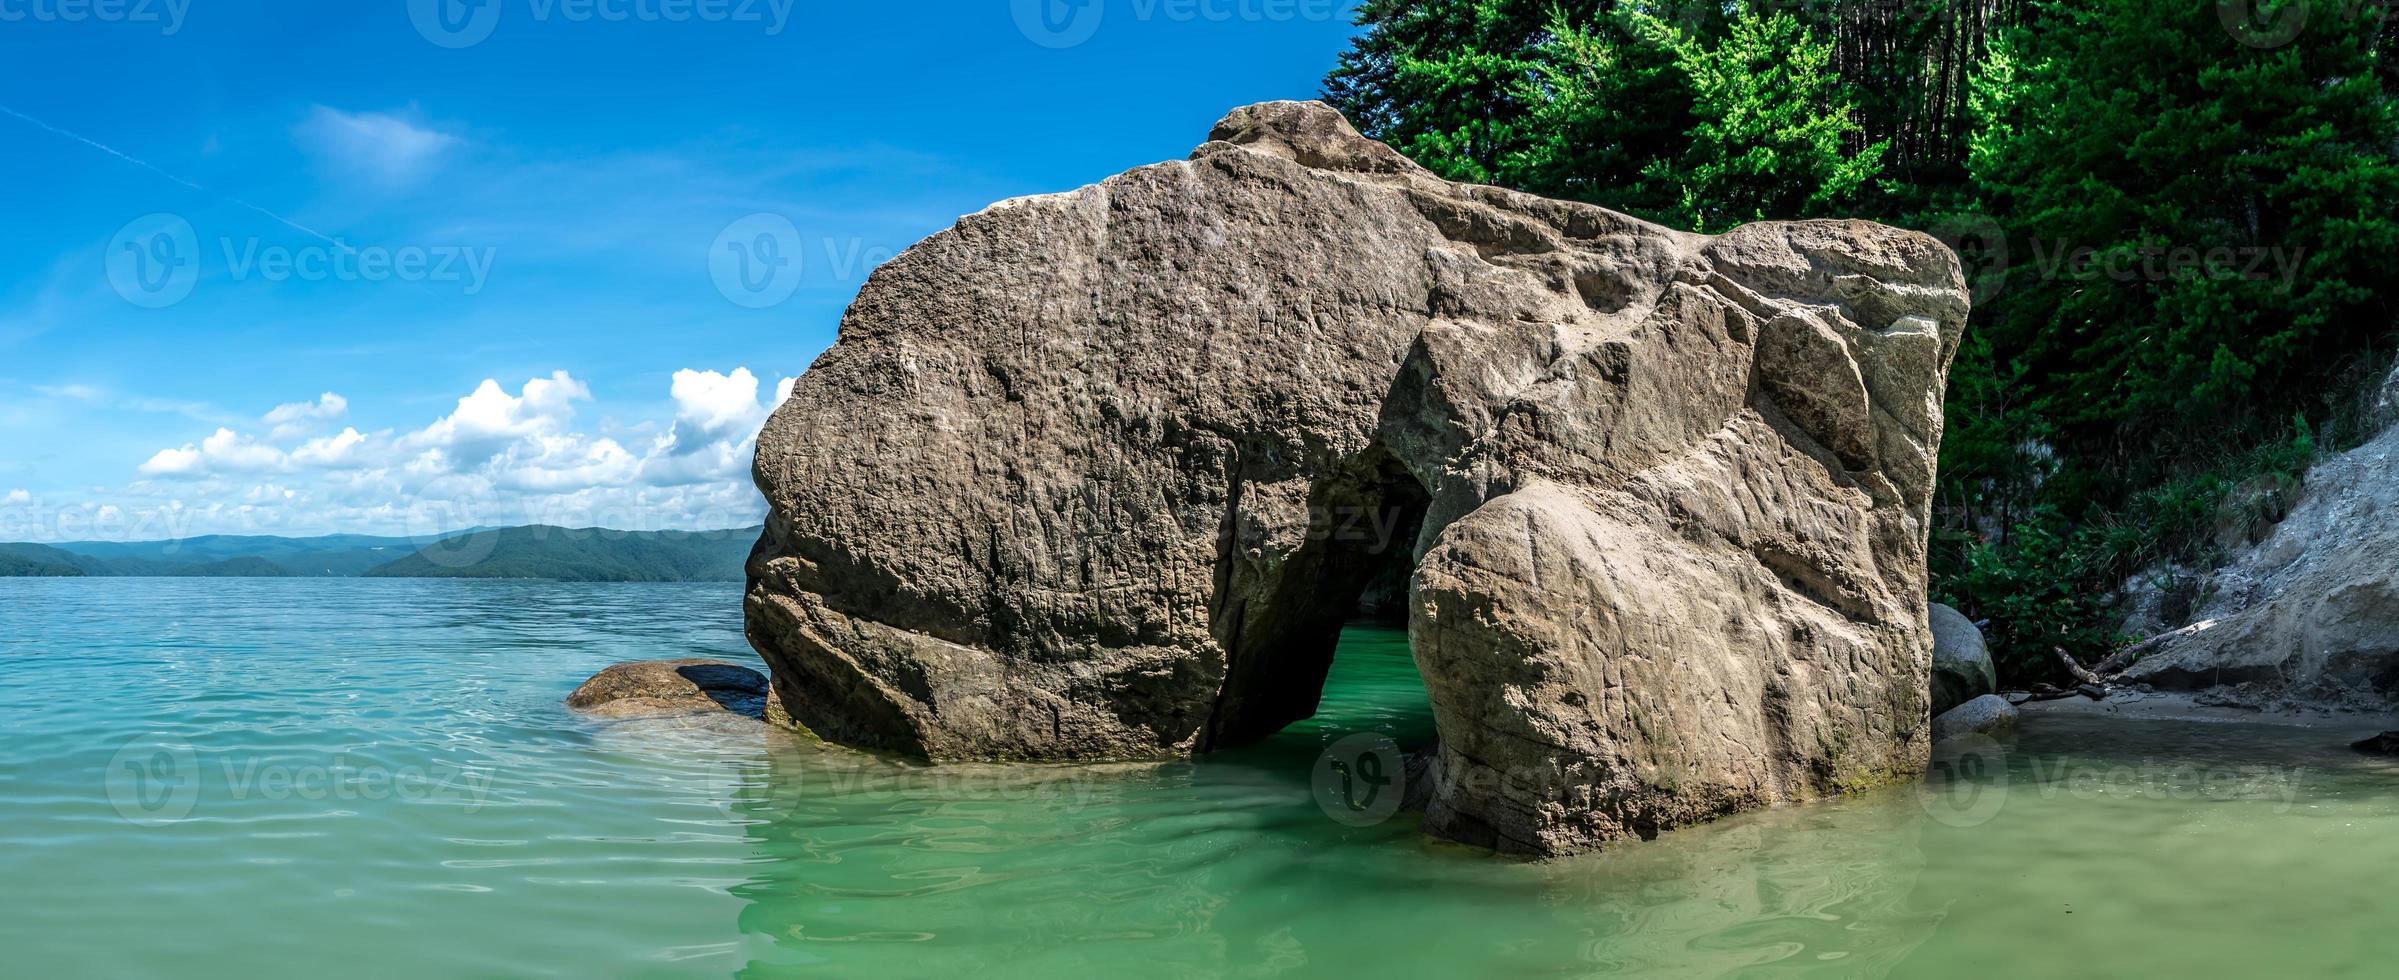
(1083, 477)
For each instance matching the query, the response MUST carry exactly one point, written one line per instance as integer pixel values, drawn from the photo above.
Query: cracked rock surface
(1100, 475)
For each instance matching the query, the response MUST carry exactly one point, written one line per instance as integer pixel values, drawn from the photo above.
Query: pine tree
(2203, 226)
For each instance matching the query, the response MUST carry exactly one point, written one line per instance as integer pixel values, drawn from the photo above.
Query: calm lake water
(279, 778)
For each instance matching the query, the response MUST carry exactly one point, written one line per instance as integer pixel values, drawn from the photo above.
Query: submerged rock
(1100, 475)
(1961, 662)
(668, 688)
(2309, 617)
(2386, 743)
(1989, 715)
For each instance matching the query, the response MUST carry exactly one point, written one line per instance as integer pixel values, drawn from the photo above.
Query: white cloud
(173, 462)
(385, 148)
(488, 420)
(224, 451)
(232, 451)
(553, 464)
(300, 418)
(330, 452)
(104, 398)
(717, 418)
(713, 404)
(81, 393)
(497, 458)
(16, 497)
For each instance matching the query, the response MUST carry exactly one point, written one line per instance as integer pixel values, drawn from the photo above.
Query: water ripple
(385, 763)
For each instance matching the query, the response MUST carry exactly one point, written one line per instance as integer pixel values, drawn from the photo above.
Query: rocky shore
(2304, 616)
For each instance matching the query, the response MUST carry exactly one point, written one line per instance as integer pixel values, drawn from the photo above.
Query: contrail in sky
(146, 165)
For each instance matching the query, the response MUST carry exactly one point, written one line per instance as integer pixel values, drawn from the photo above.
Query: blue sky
(300, 267)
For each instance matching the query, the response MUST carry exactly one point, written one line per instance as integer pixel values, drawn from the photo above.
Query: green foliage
(1673, 111)
(2205, 225)
(2179, 237)
(1606, 104)
(2044, 581)
(34, 561)
(2031, 586)
(1439, 80)
(1771, 124)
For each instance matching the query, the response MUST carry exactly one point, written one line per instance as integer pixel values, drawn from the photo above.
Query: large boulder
(1100, 475)
(1961, 662)
(2309, 616)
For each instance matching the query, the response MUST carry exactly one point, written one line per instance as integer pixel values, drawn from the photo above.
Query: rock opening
(1279, 621)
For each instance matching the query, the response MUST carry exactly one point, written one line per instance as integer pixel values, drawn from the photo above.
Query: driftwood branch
(2076, 669)
(2117, 662)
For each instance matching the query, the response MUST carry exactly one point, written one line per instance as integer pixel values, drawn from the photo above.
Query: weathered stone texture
(1099, 475)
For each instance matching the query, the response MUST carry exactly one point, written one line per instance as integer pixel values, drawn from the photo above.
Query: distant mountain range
(536, 552)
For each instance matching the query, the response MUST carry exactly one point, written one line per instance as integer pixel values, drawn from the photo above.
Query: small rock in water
(666, 688)
(1987, 715)
(2386, 743)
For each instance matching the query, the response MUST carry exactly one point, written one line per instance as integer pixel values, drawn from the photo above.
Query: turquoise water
(278, 778)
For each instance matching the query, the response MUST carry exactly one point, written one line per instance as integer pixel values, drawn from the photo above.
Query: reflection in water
(1227, 867)
(2051, 855)
(272, 769)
